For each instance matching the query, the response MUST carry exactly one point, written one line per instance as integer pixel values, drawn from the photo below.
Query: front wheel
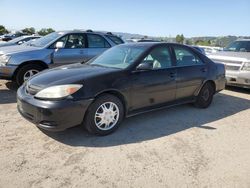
(26, 72)
(104, 115)
(205, 97)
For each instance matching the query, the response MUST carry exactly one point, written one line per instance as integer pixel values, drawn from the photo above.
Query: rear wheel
(26, 72)
(205, 97)
(104, 115)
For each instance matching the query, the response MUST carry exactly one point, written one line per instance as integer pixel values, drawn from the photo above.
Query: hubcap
(106, 116)
(29, 74)
(205, 94)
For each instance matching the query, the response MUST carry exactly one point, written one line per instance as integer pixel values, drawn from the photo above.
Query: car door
(73, 51)
(96, 45)
(155, 86)
(191, 71)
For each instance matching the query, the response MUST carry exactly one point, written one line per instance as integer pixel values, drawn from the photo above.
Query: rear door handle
(172, 74)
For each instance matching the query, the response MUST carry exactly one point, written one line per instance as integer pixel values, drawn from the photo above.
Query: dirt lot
(176, 147)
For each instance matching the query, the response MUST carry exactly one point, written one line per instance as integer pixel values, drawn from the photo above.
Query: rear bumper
(239, 79)
(51, 115)
(7, 71)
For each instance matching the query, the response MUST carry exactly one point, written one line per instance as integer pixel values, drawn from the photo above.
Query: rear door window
(97, 41)
(185, 57)
(115, 39)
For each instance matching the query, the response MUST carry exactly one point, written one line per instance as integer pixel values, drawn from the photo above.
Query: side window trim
(170, 54)
(54, 43)
(67, 35)
(190, 51)
(87, 41)
(84, 37)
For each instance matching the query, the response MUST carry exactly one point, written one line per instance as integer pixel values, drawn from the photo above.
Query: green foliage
(203, 42)
(29, 31)
(180, 38)
(45, 31)
(3, 30)
(189, 42)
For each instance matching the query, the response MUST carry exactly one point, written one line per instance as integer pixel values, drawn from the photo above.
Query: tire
(205, 97)
(24, 72)
(99, 122)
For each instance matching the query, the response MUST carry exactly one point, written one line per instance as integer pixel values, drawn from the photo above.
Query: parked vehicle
(19, 63)
(11, 36)
(236, 58)
(19, 40)
(141, 40)
(201, 50)
(148, 40)
(210, 49)
(126, 80)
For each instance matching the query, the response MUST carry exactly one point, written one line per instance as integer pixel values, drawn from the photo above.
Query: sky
(192, 18)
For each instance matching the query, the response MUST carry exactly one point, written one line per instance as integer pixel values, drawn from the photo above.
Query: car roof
(149, 44)
(29, 36)
(85, 31)
(243, 40)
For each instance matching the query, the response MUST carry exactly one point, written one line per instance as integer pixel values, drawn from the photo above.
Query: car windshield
(42, 42)
(118, 57)
(239, 46)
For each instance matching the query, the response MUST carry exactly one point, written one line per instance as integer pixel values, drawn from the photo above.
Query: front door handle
(172, 74)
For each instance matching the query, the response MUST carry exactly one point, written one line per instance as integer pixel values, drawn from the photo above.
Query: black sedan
(125, 80)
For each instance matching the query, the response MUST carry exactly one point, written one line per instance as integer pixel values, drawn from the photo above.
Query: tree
(3, 30)
(29, 31)
(45, 31)
(180, 38)
(203, 42)
(189, 42)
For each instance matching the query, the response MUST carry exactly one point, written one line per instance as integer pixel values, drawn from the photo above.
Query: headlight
(4, 59)
(57, 92)
(246, 66)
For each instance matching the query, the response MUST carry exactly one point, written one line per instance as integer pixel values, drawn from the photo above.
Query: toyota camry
(123, 81)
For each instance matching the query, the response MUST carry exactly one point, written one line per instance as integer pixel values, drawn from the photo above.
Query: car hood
(6, 44)
(17, 49)
(70, 74)
(240, 56)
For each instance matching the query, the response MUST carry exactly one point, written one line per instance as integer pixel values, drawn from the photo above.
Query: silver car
(19, 40)
(236, 58)
(19, 63)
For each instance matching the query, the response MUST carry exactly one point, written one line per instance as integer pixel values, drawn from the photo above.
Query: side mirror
(20, 42)
(144, 66)
(59, 45)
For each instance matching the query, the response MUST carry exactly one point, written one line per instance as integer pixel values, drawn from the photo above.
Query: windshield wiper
(98, 65)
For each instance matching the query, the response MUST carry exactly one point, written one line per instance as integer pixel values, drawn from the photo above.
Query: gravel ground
(176, 147)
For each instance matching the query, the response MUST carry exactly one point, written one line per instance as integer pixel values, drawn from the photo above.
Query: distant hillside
(129, 35)
(221, 41)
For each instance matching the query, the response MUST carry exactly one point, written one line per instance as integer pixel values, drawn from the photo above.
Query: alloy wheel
(29, 74)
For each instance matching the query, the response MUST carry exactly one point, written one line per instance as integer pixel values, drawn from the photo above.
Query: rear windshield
(115, 39)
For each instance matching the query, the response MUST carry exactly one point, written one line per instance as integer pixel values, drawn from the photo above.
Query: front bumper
(239, 79)
(7, 71)
(51, 115)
